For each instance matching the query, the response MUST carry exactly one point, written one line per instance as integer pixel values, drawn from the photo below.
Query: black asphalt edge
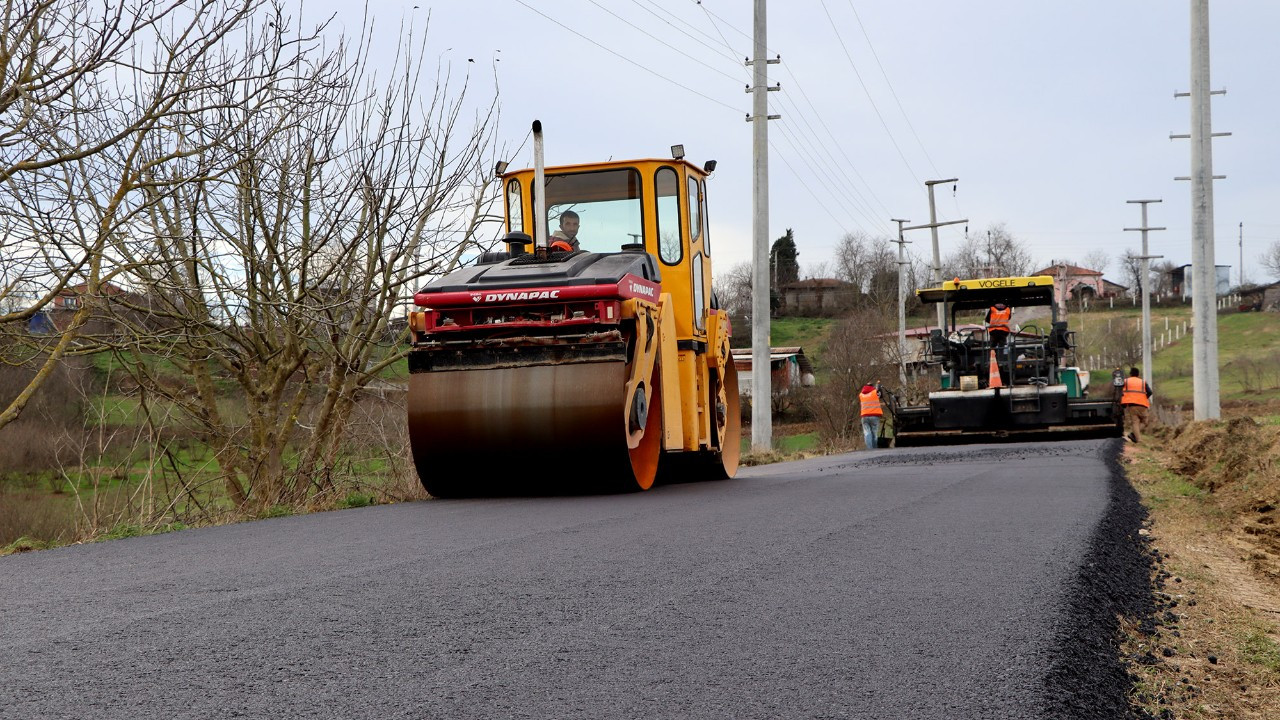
(1088, 678)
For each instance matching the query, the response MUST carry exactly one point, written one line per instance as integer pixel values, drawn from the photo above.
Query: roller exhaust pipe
(539, 193)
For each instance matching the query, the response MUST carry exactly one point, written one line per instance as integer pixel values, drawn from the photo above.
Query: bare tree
(1118, 343)
(851, 256)
(994, 252)
(870, 265)
(733, 288)
(89, 102)
(1271, 259)
(1132, 264)
(279, 273)
(1162, 277)
(1097, 260)
(862, 349)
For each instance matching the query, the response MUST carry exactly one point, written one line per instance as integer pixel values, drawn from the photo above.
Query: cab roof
(609, 165)
(985, 292)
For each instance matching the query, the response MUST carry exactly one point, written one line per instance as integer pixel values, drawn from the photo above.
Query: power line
(660, 40)
(875, 55)
(858, 74)
(854, 202)
(871, 46)
(799, 149)
(829, 182)
(629, 60)
(711, 18)
(726, 22)
(732, 55)
(805, 185)
(804, 117)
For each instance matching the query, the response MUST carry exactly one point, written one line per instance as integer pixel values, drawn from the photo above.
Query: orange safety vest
(870, 403)
(1135, 393)
(1000, 319)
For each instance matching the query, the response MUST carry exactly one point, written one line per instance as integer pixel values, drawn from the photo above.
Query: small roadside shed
(789, 368)
(1263, 297)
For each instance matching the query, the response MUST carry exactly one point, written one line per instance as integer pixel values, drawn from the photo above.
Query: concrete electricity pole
(761, 388)
(937, 255)
(902, 303)
(1146, 289)
(1204, 281)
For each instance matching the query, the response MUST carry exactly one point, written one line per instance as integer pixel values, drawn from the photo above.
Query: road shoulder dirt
(1212, 650)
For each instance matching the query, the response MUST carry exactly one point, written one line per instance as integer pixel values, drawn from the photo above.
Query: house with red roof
(1078, 283)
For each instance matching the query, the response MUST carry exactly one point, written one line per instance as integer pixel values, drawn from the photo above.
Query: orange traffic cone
(993, 372)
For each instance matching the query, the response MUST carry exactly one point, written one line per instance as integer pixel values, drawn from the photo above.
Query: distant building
(1263, 297)
(816, 296)
(1180, 280)
(1075, 282)
(119, 308)
(1116, 290)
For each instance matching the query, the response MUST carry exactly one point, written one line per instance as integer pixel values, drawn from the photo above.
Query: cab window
(667, 190)
(695, 212)
(515, 210)
(604, 205)
(706, 223)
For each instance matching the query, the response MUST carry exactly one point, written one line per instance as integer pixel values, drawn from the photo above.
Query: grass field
(1248, 361)
(1248, 351)
(808, 333)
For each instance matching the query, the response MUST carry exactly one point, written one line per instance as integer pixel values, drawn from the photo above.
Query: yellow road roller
(588, 356)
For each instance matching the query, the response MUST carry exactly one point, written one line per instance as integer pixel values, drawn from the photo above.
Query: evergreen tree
(782, 261)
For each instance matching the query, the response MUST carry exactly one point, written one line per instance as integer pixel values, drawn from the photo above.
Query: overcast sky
(1051, 115)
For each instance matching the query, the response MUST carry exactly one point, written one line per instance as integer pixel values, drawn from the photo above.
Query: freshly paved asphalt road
(913, 583)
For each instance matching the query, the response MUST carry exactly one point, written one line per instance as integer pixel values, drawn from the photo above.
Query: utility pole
(1204, 281)
(937, 255)
(1146, 289)
(991, 257)
(761, 387)
(902, 303)
(1242, 255)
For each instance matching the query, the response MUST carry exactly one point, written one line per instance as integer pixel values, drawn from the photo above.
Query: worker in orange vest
(998, 317)
(872, 414)
(1135, 398)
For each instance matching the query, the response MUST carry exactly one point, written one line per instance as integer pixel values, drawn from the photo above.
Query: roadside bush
(861, 349)
(31, 515)
(1118, 345)
(29, 443)
(1257, 374)
(375, 459)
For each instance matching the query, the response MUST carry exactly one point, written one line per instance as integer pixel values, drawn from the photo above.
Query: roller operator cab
(1019, 385)
(601, 368)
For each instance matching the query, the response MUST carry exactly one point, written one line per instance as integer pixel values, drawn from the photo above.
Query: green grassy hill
(1248, 359)
(1248, 351)
(808, 333)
